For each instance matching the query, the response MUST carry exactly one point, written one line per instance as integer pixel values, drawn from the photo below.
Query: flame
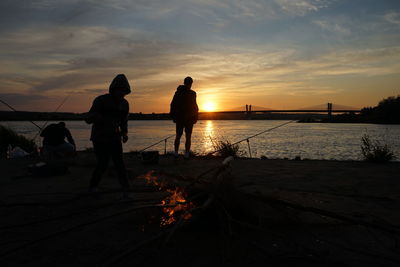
(179, 207)
(151, 178)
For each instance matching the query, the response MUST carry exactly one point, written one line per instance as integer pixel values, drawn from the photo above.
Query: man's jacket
(183, 108)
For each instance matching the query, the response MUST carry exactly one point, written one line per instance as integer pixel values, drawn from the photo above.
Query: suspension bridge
(322, 108)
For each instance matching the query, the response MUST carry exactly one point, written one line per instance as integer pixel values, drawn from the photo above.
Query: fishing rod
(13, 109)
(164, 139)
(252, 136)
(59, 106)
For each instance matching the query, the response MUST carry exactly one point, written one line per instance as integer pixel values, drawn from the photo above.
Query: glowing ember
(176, 205)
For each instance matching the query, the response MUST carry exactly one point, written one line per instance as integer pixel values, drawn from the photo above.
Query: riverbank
(52, 221)
(319, 141)
(238, 115)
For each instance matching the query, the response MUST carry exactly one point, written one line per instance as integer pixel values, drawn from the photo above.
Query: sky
(279, 54)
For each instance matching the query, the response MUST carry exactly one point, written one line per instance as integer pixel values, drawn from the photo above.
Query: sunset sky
(279, 54)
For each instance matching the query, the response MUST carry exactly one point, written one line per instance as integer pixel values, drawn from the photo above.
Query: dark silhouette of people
(184, 112)
(109, 116)
(54, 143)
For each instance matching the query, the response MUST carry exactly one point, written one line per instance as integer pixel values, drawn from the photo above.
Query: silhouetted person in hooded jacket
(184, 112)
(109, 116)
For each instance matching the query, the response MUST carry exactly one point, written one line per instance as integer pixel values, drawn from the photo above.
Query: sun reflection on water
(208, 136)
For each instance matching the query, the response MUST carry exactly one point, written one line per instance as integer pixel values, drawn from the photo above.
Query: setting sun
(209, 106)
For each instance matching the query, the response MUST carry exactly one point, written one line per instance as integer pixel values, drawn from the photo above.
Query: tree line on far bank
(386, 112)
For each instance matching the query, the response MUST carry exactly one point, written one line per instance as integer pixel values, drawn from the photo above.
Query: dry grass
(224, 148)
(374, 151)
(10, 137)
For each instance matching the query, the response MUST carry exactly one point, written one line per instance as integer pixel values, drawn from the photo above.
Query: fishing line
(13, 109)
(164, 139)
(59, 106)
(252, 136)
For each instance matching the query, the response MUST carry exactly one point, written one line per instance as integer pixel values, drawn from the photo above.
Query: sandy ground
(52, 221)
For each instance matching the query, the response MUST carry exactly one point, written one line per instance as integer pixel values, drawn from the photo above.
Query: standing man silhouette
(109, 116)
(184, 112)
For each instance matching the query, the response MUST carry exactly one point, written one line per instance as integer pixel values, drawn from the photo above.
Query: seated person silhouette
(54, 143)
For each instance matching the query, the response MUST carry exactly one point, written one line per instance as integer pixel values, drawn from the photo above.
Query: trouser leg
(179, 132)
(177, 142)
(188, 141)
(188, 136)
(102, 157)
(119, 164)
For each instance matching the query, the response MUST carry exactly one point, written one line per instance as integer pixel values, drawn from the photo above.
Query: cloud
(283, 72)
(48, 4)
(155, 66)
(25, 102)
(61, 41)
(230, 46)
(302, 7)
(392, 17)
(333, 27)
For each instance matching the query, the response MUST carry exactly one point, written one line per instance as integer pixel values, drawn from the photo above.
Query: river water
(307, 140)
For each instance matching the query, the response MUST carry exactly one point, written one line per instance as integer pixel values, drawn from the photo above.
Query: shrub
(10, 137)
(89, 149)
(224, 148)
(374, 151)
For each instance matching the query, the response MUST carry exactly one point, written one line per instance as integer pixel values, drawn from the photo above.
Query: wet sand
(52, 221)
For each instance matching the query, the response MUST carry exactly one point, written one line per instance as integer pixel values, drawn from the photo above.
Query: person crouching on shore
(54, 141)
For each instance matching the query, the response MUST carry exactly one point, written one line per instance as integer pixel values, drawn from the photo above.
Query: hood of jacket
(181, 88)
(120, 82)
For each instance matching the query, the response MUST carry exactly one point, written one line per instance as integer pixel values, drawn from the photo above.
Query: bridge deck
(288, 111)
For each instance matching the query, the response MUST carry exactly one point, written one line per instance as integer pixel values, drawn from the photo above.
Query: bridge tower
(248, 111)
(330, 109)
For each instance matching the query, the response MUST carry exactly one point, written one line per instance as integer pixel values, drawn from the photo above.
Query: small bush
(374, 151)
(89, 149)
(10, 137)
(224, 148)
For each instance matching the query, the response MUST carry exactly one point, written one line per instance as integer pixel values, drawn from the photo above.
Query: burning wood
(175, 203)
(178, 207)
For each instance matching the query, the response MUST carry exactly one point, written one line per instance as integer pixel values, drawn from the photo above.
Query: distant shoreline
(69, 116)
(300, 117)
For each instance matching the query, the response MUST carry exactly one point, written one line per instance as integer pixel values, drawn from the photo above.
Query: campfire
(187, 197)
(176, 204)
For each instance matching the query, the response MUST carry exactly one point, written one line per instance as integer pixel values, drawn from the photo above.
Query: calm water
(307, 140)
